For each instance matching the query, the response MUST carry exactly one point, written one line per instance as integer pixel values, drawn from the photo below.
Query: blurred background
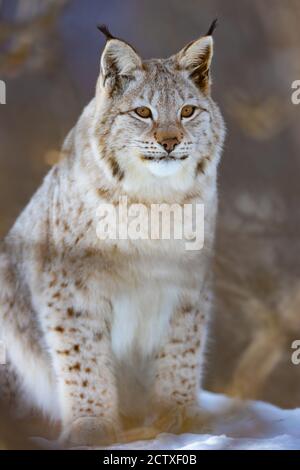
(49, 59)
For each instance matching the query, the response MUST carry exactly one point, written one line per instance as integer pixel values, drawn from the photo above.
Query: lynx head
(155, 122)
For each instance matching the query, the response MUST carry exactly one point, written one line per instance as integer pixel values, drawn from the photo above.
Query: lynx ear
(196, 59)
(118, 61)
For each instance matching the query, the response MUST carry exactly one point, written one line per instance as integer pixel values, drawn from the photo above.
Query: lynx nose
(169, 144)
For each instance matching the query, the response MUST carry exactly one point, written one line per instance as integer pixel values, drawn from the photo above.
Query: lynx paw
(182, 419)
(194, 419)
(90, 431)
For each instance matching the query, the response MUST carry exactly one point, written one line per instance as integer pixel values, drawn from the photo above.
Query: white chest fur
(141, 318)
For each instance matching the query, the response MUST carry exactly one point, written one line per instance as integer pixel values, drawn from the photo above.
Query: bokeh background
(49, 59)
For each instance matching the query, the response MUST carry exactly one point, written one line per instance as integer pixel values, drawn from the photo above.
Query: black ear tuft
(104, 30)
(212, 27)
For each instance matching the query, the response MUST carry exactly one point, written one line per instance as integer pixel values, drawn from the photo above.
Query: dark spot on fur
(65, 352)
(73, 330)
(103, 193)
(98, 336)
(59, 329)
(76, 366)
(71, 382)
(176, 341)
(77, 239)
(202, 164)
(115, 168)
(190, 350)
(187, 308)
(70, 312)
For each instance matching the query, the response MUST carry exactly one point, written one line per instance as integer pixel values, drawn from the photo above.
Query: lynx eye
(143, 112)
(187, 111)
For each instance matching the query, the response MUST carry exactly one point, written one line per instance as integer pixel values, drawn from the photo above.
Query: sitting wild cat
(100, 333)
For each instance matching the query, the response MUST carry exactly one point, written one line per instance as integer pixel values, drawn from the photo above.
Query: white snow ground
(234, 425)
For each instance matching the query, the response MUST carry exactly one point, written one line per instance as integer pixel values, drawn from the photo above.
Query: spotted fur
(99, 330)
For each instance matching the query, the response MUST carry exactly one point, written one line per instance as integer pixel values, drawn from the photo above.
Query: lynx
(104, 335)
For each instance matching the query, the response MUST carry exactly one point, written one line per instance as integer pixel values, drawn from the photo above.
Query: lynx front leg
(84, 367)
(179, 367)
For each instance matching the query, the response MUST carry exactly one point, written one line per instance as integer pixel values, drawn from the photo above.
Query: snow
(233, 424)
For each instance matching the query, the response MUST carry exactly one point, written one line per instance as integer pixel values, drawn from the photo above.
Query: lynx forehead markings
(96, 331)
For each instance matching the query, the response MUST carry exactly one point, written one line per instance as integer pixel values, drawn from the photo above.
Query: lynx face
(154, 120)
